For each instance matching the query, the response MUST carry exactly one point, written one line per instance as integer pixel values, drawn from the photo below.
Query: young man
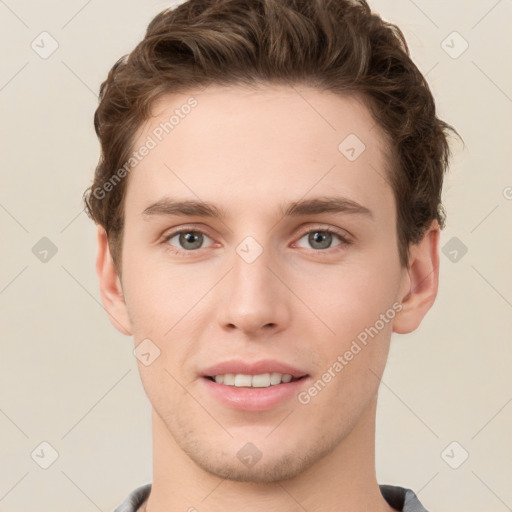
(268, 210)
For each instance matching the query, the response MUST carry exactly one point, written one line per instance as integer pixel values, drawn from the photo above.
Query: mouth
(262, 380)
(254, 392)
(253, 385)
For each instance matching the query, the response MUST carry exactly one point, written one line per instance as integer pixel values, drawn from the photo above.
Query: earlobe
(423, 274)
(110, 286)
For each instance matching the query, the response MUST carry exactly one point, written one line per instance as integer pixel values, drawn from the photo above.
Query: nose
(254, 300)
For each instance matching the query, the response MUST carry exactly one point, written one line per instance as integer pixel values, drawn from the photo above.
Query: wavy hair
(334, 45)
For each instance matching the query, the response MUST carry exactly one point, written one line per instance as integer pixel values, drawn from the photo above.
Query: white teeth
(263, 380)
(242, 380)
(229, 379)
(275, 378)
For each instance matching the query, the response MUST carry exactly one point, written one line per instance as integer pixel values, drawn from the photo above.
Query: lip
(253, 399)
(252, 368)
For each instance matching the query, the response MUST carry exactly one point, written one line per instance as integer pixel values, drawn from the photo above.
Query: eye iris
(322, 237)
(188, 237)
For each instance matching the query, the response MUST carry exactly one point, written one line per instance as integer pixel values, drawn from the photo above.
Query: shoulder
(135, 499)
(401, 499)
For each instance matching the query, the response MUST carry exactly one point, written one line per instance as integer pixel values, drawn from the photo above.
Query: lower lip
(253, 399)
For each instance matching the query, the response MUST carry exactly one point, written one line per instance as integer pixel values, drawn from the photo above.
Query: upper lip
(237, 366)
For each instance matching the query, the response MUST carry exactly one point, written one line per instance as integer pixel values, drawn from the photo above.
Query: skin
(248, 151)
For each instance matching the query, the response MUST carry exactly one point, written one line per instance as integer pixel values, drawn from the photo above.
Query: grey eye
(319, 239)
(189, 240)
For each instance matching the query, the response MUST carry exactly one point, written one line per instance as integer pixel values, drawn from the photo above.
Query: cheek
(158, 295)
(348, 297)
(358, 307)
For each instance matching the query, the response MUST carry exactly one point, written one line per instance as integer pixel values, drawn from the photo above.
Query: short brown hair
(334, 45)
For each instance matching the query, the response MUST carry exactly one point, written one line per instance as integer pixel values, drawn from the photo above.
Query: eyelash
(344, 241)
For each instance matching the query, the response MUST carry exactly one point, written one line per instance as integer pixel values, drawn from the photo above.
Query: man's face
(258, 285)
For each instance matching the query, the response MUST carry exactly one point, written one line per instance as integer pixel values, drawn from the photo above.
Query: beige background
(68, 378)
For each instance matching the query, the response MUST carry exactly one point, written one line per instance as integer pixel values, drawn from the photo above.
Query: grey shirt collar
(403, 500)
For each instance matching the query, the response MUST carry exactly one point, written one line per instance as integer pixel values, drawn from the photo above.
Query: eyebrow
(315, 206)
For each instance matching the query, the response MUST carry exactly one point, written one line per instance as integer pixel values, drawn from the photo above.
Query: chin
(274, 471)
(271, 466)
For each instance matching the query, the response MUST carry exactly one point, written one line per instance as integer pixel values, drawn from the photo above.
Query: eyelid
(345, 241)
(343, 235)
(183, 229)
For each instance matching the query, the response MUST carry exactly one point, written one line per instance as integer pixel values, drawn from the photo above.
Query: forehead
(250, 147)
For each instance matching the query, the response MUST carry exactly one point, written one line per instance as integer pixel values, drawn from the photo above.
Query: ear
(110, 286)
(421, 282)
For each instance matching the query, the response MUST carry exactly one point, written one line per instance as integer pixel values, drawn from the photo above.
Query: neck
(343, 480)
